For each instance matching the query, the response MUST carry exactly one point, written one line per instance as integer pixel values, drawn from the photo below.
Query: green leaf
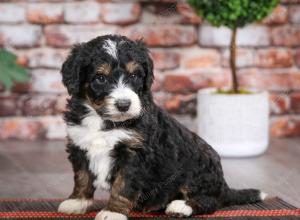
(4, 54)
(5, 79)
(231, 13)
(10, 71)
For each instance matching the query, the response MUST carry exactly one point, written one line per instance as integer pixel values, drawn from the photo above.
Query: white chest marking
(98, 144)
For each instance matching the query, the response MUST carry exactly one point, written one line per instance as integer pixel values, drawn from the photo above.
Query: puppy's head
(112, 74)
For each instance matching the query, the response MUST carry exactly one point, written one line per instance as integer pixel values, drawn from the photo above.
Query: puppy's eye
(100, 79)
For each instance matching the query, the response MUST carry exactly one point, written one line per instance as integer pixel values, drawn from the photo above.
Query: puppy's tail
(242, 196)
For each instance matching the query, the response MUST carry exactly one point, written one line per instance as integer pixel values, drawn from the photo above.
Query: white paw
(107, 215)
(74, 206)
(263, 195)
(179, 208)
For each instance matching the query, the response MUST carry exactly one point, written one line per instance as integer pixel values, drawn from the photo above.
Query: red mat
(274, 208)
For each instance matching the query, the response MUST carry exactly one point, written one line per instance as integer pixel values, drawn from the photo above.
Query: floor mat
(274, 208)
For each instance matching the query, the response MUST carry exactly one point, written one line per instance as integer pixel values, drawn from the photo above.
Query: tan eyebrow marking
(104, 68)
(131, 66)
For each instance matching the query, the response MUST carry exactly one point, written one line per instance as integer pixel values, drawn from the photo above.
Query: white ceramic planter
(234, 125)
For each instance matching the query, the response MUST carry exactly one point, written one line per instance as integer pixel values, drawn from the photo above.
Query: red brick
(172, 105)
(277, 81)
(285, 126)
(21, 87)
(279, 126)
(164, 59)
(161, 25)
(22, 61)
(82, 12)
(177, 83)
(286, 36)
(38, 105)
(37, 1)
(8, 105)
(61, 103)
(278, 16)
(32, 128)
(156, 86)
(274, 57)
(295, 102)
(1, 87)
(294, 14)
(120, 13)
(181, 104)
(162, 35)
(295, 80)
(160, 98)
(45, 57)
(47, 81)
(200, 58)
(162, 9)
(2, 39)
(160, 14)
(264, 80)
(67, 35)
(279, 103)
(12, 13)
(191, 81)
(20, 35)
(203, 78)
(291, 1)
(149, 1)
(21, 128)
(244, 57)
(45, 13)
(188, 14)
(253, 35)
(297, 57)
(54, 126)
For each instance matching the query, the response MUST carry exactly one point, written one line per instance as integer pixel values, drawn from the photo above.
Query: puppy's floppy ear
(73, 67)
(150, 75)
(147, 64)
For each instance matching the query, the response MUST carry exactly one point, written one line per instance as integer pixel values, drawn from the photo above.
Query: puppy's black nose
(123, 105)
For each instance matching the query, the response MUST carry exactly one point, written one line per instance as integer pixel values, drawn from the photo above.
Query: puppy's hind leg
(179, 208)
(202, 204)
(192, 206)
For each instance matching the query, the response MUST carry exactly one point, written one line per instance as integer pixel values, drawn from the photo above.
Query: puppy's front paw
(178, 208)
(74, 206)
(107, 215)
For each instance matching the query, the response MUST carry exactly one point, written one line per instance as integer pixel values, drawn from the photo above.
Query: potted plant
(10, 70)
(234, 121)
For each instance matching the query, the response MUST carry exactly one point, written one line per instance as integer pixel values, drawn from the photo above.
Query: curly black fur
(171, 162)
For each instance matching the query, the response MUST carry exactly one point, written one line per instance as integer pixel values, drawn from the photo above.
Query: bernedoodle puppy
(120, 141)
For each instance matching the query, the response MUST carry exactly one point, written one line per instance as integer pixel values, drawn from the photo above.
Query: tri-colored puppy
(120, 141)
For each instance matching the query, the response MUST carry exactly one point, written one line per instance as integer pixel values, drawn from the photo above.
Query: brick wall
(189, 54)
